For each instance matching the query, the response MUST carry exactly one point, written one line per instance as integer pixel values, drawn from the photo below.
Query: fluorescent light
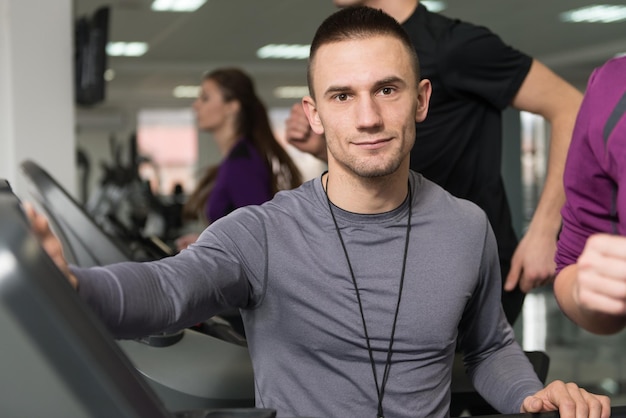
(176, 5)
(602, 13)
(433, 5)
(126, 49)
(291, 92)
(186, 92)
(284, 51)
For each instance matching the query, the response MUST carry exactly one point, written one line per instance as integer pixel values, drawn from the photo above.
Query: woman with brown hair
(254, 164)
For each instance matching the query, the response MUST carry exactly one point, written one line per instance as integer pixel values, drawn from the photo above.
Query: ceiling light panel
(126, 49)
(597, 13)
(176, 5)
(284, 51)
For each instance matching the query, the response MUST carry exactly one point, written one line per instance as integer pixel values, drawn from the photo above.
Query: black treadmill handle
(617, 411)
(228, 413)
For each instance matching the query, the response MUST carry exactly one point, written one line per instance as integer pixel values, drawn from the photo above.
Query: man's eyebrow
(387, 80)
(336, 89)
(390, 80)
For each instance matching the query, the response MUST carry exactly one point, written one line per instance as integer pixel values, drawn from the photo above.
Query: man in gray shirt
(356, 287)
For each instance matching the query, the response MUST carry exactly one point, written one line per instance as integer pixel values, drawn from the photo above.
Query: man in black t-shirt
(475, 76)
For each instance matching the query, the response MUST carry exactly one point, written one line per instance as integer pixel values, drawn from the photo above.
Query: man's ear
(310, 109)
(423, 99)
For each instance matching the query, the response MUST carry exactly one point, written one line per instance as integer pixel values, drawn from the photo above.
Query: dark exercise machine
(616, 412)
(124, 204)
(187, 369)
(57, 359)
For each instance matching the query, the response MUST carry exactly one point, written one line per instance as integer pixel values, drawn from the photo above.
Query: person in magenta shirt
(591, 252)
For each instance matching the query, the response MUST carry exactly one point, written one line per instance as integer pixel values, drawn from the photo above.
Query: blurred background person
(254, 165)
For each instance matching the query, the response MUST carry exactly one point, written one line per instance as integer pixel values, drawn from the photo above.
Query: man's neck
(398, 9)
(366, 195)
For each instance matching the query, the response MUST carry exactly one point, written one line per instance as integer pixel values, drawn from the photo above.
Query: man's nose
(368, 113)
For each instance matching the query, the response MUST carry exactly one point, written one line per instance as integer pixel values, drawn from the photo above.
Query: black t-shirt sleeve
(475, 62)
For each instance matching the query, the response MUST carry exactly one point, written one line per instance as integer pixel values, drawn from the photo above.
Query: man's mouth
(372, 144)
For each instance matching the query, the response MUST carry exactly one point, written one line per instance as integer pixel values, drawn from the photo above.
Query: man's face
(367, 100)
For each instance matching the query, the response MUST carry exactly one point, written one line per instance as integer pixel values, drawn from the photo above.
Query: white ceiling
(228, 33)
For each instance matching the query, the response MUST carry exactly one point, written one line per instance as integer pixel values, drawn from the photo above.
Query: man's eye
(385, 91)
(342, 97)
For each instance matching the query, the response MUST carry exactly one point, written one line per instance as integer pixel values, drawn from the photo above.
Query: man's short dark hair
(360, 22)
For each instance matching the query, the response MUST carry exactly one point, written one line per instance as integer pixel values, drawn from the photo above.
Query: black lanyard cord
(379, 389)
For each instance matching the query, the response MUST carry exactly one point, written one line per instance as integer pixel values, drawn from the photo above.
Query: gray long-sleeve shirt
(282, 263)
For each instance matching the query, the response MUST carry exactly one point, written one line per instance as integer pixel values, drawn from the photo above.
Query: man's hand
(49, 242)
(299, 134)
(533, 263)
(570, 400)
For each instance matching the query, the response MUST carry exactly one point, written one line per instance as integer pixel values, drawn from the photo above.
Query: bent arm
(546, 94)
(592, 292)
(495, 363)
